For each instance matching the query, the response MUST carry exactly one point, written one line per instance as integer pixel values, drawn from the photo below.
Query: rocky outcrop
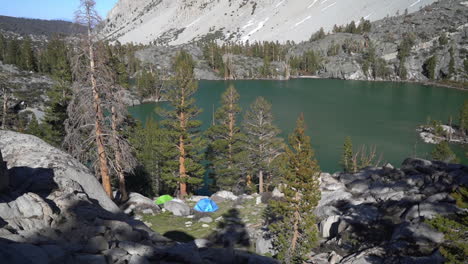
(55, 211)
(29, 156)
(378, 215)
(446, 133)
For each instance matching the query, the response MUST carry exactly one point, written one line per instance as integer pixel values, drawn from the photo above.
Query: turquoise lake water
(381, 114)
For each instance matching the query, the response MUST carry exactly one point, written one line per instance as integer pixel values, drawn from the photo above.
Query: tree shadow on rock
(231, 231)
(179, 236)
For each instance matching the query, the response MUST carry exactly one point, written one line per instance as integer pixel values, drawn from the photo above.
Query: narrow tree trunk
(182, 169)
(295, 236)
(5, 108)
(102, 156)
(231, 129)
(182, 155)
(297, 218)
(260, 181)
(118, 157)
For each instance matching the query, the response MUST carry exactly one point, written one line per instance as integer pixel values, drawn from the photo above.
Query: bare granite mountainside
(178, 22)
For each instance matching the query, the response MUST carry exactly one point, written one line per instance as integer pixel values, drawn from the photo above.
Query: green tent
(163, 199)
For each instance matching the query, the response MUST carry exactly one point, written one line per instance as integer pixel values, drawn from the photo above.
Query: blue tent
(206, 205)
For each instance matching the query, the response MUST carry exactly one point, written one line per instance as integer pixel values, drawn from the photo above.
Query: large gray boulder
(20, 150)
(329, 226)
(226, 195)
(431, 210)
(177, 208)
(264, 244)
(140, 204)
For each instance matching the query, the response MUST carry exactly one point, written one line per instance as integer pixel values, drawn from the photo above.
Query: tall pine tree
(28, 58)
(295, 227)
(183, 128)
(155, 154)
(347, 157)
(262, 142)
(227, 142)
(56, 114)
(13, 52)
(464, 117)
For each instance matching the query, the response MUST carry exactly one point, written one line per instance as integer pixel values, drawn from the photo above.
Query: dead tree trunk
(99, 116)
(118, 157)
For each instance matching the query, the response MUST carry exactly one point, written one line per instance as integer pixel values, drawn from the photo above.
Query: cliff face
(177, 22)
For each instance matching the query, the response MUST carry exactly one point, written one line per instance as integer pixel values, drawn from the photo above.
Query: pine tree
(34, 128)
(347, 157)
(56, 114)
(455, 230)
(13, 52)
(295, 227)
(464, 117)
(442, 152)
(155, 154)
(451, 66)
(58, 59)
(227, 142)
(262, 142)
(28, 59)
(3, 45)
(182, 126)
(118, 67)
(429, 67)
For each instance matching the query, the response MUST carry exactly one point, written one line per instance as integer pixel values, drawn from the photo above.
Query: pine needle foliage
(295, 227)
(262, 141)
(455, 230)
(183, 128)
(347, 156)
(227, 142)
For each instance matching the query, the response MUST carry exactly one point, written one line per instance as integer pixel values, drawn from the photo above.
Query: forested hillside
(28, 26)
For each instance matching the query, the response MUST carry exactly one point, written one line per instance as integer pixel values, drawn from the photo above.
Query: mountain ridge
(179, 22)
(38, 27)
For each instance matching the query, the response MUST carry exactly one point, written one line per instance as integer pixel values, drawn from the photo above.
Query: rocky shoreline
(447, 133)
(54, 211)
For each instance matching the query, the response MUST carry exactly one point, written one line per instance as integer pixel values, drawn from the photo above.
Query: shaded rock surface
(54, 211)
(378, 215)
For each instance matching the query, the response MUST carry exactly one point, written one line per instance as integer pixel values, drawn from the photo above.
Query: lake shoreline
(316, 77)
(384, 114)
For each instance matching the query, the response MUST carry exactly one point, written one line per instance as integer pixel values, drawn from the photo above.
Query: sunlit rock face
(177, 22)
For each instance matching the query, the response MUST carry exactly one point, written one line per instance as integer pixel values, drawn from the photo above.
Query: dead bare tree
(124, 160)
(366, 157)
(91, 136)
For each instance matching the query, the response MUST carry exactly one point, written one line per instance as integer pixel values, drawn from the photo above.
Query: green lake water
(380, 114)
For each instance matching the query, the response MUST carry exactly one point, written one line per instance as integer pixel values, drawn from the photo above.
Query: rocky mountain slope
(344, 54)
(178, 22)
(54, 211)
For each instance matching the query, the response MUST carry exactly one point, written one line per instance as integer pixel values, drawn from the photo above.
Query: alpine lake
(381, 114)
